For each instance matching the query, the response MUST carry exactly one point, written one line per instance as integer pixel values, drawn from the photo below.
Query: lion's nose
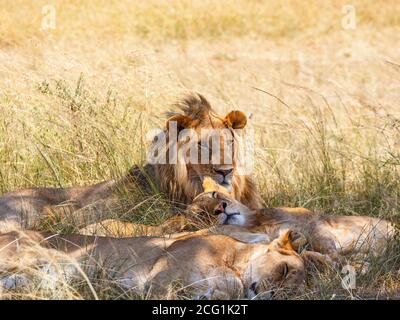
(220, 208)
(224, 173)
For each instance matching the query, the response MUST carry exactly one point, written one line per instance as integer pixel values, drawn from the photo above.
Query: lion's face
(231, 211)
(217, 201)
(207, 145)
(215, 156)
(274, 267)
(224, 207)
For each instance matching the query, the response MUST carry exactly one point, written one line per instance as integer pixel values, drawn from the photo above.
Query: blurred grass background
(186, 20)
(76, 102)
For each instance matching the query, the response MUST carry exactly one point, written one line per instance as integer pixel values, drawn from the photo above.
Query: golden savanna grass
(76, 103)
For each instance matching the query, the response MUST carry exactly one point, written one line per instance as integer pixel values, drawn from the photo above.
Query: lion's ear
(284, 241)
(236, 119)
(181, 121)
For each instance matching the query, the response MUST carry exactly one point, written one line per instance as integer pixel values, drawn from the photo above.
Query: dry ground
(76, 102)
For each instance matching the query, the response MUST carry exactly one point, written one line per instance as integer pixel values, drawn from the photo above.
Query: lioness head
(274, 267)
(218, 201)
(202, 143)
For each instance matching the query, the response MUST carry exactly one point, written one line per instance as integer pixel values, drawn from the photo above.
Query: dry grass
(76, 102)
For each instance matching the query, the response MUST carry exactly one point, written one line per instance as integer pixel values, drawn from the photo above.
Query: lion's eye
(285, 270)
(214, 194)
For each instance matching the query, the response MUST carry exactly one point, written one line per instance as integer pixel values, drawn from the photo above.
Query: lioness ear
(182, 122)
(236, 119)
(284, 241)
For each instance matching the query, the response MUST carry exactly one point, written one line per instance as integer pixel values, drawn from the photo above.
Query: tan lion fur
(211, 266)
(180, 182)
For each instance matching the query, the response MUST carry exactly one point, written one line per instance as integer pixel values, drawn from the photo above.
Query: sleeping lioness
(210, 266)
(330, 235)
(326, 234)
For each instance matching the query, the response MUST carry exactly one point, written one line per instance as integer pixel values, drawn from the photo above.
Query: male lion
(180, 181)
(211, 266)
